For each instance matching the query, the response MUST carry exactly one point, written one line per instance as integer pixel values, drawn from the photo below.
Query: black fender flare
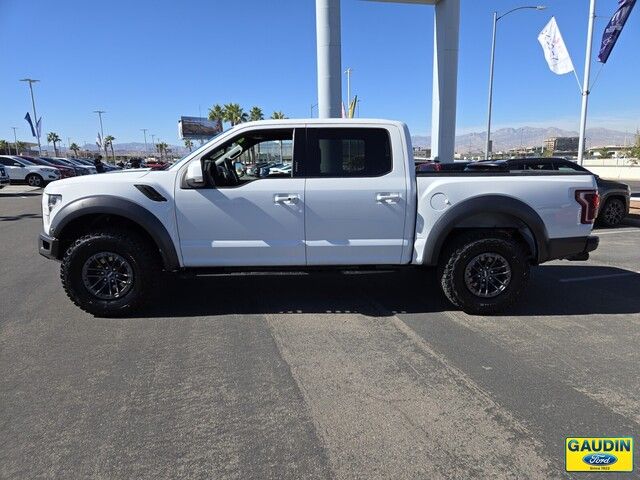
(487, 205)
(110, 205)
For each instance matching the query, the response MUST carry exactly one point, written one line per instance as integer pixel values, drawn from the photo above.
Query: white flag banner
(555, 51)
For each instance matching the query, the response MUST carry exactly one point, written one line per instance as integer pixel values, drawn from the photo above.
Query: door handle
(286, 198)
(387, 197)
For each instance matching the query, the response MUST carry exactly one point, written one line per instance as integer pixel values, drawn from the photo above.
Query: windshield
(203, 147)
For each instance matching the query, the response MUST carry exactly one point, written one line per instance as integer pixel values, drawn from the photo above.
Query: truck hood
(119, 176)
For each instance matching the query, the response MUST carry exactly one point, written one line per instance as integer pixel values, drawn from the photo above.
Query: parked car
(78, 164)
(65, 171)
(4, 178)
(58, 161)
(615, 197)
(115, 234)
(22, 170)
(434, 166)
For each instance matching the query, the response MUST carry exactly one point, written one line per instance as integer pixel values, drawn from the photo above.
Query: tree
(256, 114)
(278, 115)
(108, 142)
(162, 148)
(21, 146)
(4, 146)
(234, 114)
(635, 150)
(188, 143)
(216, 113)
(52, 137)
(74, 148)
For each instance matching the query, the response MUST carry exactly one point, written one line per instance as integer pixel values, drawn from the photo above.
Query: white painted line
(598, 277)
(621, 230)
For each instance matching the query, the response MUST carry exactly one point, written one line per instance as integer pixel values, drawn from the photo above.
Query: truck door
(250, 216)
(355, 197)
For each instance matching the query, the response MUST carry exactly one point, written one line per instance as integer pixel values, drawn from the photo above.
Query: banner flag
(614, 29)
(555, 50)
(27, 117)
(39, 127)
(99, 140)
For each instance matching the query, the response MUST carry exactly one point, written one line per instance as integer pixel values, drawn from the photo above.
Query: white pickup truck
(351, 198)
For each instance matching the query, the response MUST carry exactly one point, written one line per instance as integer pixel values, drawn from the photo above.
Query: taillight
(589, 200)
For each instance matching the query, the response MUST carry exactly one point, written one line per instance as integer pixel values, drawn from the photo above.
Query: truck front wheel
(484, 275)
(110, 273)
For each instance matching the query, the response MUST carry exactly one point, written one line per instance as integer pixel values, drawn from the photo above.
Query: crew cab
(351, 199)
(22, 170)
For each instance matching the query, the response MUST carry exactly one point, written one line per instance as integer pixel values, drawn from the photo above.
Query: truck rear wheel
(484, 275)
(110, 273)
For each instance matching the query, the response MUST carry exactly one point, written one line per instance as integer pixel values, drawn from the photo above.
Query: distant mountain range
(503, 139)
(508, 138)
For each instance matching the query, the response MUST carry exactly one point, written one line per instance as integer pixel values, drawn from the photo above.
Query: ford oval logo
(599, 459)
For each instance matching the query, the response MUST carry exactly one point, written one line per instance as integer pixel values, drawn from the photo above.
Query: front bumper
(574, 248)
(49, 247)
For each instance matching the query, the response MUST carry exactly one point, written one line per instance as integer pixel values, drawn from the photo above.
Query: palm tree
(21, 146)
(108, 142)
(189, 144)
(256, 114)
(53, 137)
(4, 146)
(162, 148)
(216, 114)
(278, 115)
(74, 148)
(234, 114)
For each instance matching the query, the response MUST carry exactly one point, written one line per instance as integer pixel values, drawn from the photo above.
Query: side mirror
(194, 177)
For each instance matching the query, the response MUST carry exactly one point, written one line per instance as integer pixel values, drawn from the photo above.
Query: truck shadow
(553, 290)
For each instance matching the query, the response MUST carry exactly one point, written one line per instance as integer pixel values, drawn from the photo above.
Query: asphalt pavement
(327, 375)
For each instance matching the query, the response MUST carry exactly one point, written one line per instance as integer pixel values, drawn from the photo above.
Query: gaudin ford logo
(600, 454)
(599, 459)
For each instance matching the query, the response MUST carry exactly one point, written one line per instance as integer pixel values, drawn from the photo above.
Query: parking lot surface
(328, 375)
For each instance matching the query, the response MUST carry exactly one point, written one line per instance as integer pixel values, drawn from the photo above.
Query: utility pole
(585, 83)
(35, 115)
(153, 142)
(144, 130)
(348, 72)
(104, 145)
(15, 139)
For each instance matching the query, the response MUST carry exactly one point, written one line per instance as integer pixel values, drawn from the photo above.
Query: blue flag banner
(27, 117)
(39, 127)
(614, 28)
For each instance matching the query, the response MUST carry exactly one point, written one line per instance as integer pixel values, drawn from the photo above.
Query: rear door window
(348, 152)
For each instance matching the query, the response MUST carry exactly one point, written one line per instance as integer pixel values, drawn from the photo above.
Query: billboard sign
(198, 128)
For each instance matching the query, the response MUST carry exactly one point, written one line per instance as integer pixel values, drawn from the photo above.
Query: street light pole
(144, 130)
(35, 115)
(585, 84)
(15, 139)
(497, 17)
(104, 145)
(348, 73)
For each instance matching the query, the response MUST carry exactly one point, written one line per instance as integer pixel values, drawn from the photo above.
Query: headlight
(53, 200)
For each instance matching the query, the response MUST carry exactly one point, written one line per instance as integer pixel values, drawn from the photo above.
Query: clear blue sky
(146, 62)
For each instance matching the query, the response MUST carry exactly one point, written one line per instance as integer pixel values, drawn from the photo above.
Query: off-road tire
(35, 180)
(462, 252)
(141, 256)
(610, 218)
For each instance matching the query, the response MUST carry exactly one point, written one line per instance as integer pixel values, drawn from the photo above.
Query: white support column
(445, 79)
(329, 58)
